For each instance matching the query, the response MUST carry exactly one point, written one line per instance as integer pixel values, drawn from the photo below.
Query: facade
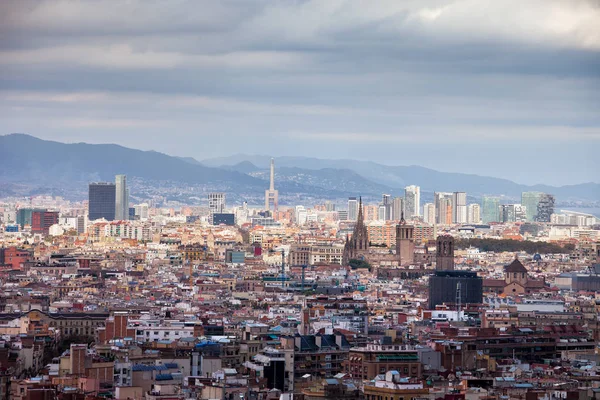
(121, 198)
(474, 214)
(530, 200)
(216, 203)
(352, 209)
(490, 209)
(512, 213)
(223, 219)
(397, 207)
(412, 198)
(452, 287)
(443, 208)
(102, 201)
(444, 259)
(429, 213)
(365, 363)
(41, 221)
(24, 216)
(388, 210)
(459, 208)
(516, 281)
(545, 208)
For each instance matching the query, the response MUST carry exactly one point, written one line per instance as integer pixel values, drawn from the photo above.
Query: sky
(505, 88)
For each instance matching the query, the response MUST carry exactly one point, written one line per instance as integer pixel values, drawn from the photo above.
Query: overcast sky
(505, 88)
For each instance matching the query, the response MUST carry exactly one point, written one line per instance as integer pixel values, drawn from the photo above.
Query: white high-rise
(352, 209)
(121, 198)
(412, 201)
(216, 203)
(459, 208)
(474, 213)
(429, 213)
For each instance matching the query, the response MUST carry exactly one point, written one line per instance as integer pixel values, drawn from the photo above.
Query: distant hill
(30, 165)
(430, 180)
(26, 158)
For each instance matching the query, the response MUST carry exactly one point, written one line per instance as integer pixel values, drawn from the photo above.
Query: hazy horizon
(508, 90)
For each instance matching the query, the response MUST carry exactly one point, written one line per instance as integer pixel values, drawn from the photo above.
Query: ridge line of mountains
(43, 164)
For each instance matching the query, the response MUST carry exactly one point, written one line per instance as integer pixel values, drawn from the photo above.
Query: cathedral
(357, 247)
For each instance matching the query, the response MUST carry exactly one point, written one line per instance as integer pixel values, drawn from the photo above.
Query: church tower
(357, 247)
(444, 260)
(405, 242)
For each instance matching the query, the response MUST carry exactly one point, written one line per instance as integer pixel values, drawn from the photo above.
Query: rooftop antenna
(458, 299)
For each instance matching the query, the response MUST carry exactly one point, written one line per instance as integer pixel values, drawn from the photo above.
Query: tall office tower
(381, 212)
(121, 198)
(412, 201)
(272, 195)
(352, 209)
(329, 206)
(545, 208)
(474, 213)
(405, 243)
(102, 201)
(42, 220)
(397, 208)
(513, 213)
(429, 213)
(459, 208)
(531, 200)
(216, 203)
(443, 208)
(489, 209)
(386, 201)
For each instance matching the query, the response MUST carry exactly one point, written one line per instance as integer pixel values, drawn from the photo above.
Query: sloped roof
(515, 266)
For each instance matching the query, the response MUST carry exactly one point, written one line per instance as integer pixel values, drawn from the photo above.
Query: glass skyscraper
(531, 200)
(490, 209)
(101, 201)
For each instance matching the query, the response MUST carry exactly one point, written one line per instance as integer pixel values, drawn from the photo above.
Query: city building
(387, 205)
(42, 220)
(459, 208)
(474, 214)
(352, 209)
(512, 213)
(357, 246)
(530, 201)
(397, 207)
(366, 363)
(102, 201)
(405, 242)
(216, 203)
(121, 198)
(490, 209)
(429, 213)
(545, 208)
(443, 208)
(412, 201)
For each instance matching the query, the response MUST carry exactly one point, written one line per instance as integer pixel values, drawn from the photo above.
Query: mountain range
(43, 165)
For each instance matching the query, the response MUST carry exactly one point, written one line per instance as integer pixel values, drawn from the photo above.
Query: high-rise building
(443, 208)
(397, 208)
(474, 213)
(42, 220)
(23, 216)
(531, 200)
(141, 211)
(272, 195)
(490, 209)
(102, 201)
(459, 208)
(545, 208)
(381, 213)
(216, 203)
(386, 202)
(513, 213)
(352, 209)
(412, 201)
(429, 213)
(121, 198)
